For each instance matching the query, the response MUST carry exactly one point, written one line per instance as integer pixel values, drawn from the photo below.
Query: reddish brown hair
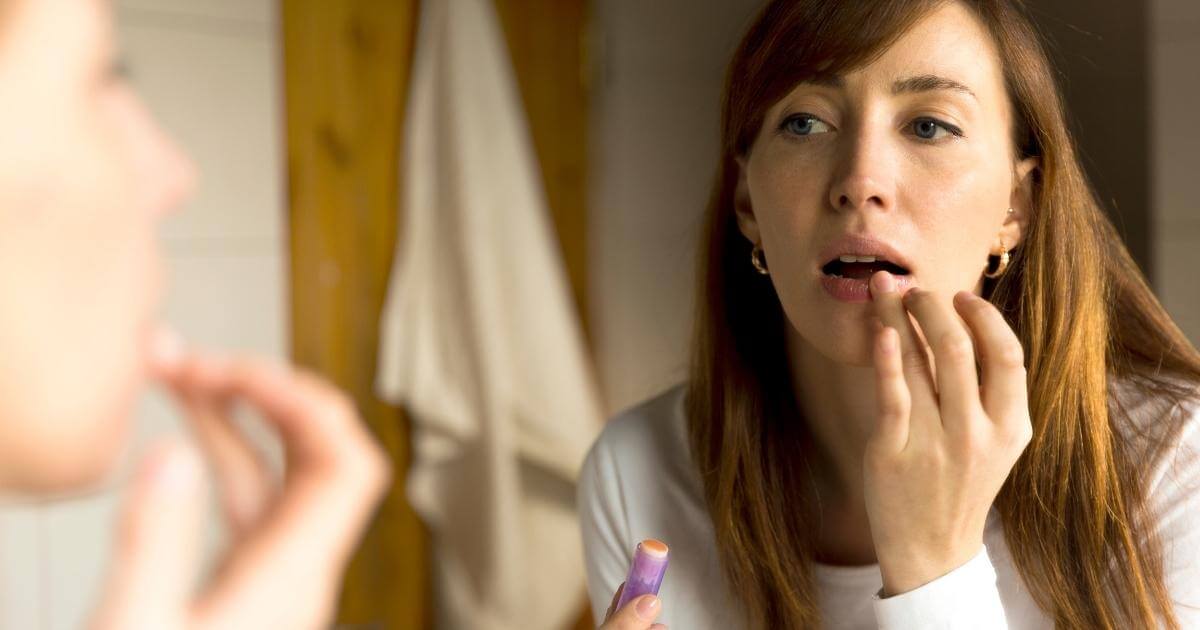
(1074, 507)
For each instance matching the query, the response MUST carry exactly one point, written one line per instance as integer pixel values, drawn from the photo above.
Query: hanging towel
(481, 343)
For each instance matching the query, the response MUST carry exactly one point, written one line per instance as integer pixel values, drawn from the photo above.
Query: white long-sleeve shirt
(640, 482)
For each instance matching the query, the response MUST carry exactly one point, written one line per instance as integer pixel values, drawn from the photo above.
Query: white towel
(481, 343)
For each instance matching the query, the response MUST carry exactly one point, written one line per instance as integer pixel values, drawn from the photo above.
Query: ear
(744, 210)
(1016, 224)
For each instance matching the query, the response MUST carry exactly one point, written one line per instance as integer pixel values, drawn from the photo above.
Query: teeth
(851, 258)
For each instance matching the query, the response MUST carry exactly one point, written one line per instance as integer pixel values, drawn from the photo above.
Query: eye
(933, 129)
(804, 125)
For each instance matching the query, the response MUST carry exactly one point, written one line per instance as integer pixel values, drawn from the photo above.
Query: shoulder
(1162, 432)
(647, 439)
(633, 476)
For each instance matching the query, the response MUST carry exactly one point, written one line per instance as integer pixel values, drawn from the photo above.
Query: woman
(84, 177)
(898, 199)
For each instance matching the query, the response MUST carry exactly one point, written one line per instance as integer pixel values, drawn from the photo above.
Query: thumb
(158, 546)
(638, 614)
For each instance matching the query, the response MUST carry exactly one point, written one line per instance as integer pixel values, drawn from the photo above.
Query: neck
(837, 402)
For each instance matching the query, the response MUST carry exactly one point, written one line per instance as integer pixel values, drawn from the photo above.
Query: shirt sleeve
(603, 527)
(966, 597)
(1175, 501)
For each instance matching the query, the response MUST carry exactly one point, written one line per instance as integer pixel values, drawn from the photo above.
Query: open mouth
(860, 267)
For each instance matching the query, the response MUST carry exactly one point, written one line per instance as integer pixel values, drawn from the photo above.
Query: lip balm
(645, 572)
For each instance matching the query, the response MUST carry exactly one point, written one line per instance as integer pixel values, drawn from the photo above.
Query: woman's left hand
(943, 444)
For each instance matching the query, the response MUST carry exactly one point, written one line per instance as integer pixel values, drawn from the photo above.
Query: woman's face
(909, 159)
(85, 175)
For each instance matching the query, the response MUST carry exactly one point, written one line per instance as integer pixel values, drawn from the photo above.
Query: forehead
(950, 42)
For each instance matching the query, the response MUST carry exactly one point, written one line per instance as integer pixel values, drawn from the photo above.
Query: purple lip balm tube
(646, 572)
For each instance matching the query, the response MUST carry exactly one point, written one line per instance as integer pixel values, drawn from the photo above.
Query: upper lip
(863, 245)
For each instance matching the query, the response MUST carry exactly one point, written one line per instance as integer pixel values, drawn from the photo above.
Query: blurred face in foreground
(85, 175)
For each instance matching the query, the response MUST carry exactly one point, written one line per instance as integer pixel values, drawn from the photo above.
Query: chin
(76, 463)
(68, 451)
(844, 336)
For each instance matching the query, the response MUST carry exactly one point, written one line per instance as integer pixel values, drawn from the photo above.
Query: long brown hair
(1074, 508)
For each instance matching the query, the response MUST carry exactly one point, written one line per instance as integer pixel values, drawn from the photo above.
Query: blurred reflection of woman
(85, 175)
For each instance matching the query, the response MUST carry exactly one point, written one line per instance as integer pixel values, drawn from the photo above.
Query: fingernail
(967, 296)
(884, 282)
(647, 607)
(167, 347)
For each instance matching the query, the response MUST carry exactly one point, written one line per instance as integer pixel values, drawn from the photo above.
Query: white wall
(209, 69)
(1175, 59)
(655, 116)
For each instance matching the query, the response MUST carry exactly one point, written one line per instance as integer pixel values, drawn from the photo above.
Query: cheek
(788, 192)
(78, 260)
(956, 206)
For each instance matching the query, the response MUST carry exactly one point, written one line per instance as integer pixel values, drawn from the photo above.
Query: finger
(890, 310)
(612, 606)
(159, 542)
(243, 476)
(1002, 359)
(335, 476)
(891, 430)
(954, 354)
(638, 614)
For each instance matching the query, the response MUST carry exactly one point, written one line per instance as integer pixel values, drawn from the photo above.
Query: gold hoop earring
(756, 259)
(1001, 266)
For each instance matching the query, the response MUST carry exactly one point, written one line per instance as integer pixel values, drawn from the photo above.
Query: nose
(865, 173)
(180, 182)
(177, 176)
(166, 176)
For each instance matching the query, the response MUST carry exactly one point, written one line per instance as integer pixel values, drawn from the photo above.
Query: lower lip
(856, 289)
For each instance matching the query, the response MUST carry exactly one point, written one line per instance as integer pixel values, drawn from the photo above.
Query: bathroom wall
(658, 74)
(1175, 140)
(208, 70)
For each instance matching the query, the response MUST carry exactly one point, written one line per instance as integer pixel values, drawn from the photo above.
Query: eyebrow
(909, 85)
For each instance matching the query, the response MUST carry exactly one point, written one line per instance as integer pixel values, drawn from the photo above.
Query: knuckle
(1019, 435)
(936, 460)
(956, 347)
(340, 405)
(1010, 354)
(362, 463)
(981, 308)
(913, 357)
(378, 470)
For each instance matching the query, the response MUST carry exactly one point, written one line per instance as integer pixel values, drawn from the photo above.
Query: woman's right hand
(638, 614)
(291, 538)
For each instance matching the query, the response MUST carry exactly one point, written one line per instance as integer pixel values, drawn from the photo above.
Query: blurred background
(295, 112)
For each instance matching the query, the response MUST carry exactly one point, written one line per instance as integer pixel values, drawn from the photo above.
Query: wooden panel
(346, 71)
(547, 42)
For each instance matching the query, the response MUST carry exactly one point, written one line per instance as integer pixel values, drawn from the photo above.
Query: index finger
(891, 311)
(335, 475)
